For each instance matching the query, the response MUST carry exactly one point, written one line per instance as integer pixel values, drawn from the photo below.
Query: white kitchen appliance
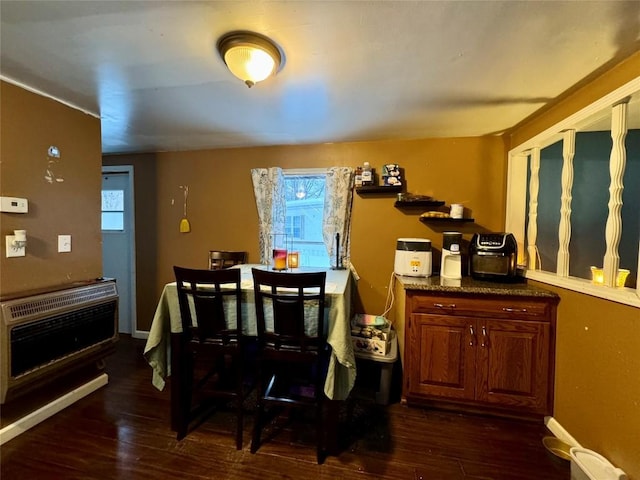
(413, 257)
(451, 262)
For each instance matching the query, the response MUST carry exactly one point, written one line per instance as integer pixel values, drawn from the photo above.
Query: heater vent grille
(38, 343)
(45, 304)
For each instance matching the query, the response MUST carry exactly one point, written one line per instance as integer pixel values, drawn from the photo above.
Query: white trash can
(589, 465)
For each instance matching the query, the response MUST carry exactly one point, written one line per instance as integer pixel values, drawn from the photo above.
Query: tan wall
(30, 124)
(223, 215)
(597, 389)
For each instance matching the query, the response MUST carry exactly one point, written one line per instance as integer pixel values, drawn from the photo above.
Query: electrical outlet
(64, 243)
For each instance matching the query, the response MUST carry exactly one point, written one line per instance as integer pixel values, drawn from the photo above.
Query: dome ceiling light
(249, 56)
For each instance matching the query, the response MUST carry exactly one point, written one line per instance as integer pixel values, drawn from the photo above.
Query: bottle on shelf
(358, 178)
(367, 175)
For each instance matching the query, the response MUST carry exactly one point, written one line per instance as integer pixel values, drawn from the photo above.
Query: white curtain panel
(268, 188)
(337, 213)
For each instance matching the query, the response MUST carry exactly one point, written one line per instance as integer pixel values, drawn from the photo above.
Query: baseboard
(142, 334)
(28, 421)
(559, 431)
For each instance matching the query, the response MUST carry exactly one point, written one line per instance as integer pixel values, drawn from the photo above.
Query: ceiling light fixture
(249, 56)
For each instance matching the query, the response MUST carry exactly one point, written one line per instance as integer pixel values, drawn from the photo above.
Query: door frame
(130, 218)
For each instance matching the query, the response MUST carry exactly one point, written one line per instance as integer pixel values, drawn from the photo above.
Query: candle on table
(293, 260)
(279, 259)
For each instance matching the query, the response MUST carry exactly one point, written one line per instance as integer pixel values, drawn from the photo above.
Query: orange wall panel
(30, 124)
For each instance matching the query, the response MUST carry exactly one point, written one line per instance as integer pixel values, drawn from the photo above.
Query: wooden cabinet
(491, 352)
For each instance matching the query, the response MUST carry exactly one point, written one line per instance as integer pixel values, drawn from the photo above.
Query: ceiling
(353, 70)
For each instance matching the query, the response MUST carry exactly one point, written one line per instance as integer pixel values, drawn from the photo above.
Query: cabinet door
(441, 356)
(513, 364)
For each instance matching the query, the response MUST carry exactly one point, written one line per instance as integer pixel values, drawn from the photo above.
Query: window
(304, 194)
(113, 210)
(573, 199)
(321, 197)
(293, 226)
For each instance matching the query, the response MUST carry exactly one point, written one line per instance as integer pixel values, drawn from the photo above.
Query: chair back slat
(286, 311)
(220, 259)
(210, 304)
(290, 310)
(211, 317)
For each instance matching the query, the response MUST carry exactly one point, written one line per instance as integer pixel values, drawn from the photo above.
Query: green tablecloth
(342, 366)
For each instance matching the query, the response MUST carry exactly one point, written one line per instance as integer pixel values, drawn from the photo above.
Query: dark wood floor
(122, 432)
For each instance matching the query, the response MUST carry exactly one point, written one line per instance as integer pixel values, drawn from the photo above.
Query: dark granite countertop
(470, 285)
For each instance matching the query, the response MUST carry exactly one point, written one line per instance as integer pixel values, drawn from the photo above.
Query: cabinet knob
(472, 340)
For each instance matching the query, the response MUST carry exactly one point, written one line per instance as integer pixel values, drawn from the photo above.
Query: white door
(118, 240)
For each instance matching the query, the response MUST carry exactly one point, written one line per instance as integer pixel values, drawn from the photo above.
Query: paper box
(391, 174)
(370, 338)
(391, 181)
(391, 170)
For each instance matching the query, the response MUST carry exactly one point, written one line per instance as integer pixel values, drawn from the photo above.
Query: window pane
(589, 205)
(303, 223)
(628, 248)
(112, 200)
(590, 198)
(293, 226)
(550, 176)
(113, 221)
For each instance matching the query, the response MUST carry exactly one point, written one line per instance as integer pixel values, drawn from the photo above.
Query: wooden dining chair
(219, 259)
(292, 346)
(212, 360)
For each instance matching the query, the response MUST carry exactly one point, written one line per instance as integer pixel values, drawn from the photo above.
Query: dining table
(166, 328)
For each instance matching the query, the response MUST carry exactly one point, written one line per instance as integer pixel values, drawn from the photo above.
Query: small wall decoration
(185, 226)
(391, 174)
(53, 172)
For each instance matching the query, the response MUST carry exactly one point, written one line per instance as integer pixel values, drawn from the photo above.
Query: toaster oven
(493, 256)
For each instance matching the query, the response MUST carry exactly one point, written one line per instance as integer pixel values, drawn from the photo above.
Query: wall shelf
(418, 203)
(378, 189)
(446, 220)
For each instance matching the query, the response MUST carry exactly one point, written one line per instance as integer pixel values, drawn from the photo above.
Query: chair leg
(182, 430)
(257, 427)
(320, 433)
(240, 408)
(239, 428)
(184, 404)
(258, 417)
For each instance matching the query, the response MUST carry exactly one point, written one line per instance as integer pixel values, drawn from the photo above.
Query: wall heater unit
(47, 335)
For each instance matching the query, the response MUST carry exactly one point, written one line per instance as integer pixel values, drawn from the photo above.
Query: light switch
(64, 243)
